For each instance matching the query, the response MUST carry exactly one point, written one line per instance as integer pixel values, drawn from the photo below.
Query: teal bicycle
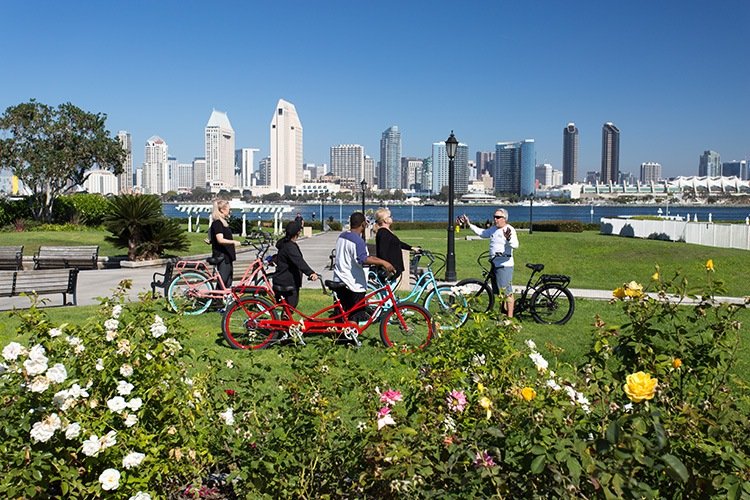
(445, 303)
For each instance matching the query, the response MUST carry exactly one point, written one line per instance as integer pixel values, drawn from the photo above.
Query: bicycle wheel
(478, 293)
(240, 324)
(449, 310)
(188, 293)
(552, 304)
(415, 332)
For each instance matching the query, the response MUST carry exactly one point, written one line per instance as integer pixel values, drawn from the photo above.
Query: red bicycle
(256, 323)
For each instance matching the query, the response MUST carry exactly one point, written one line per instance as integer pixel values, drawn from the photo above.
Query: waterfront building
(570, 154)
(389, 176)
(485, 162)
(369, 170)
(427, 175)
(184, 181)
(244, 163)
(411, 169)
(610, 153)
(219, 147)
(170, 177)
(737, 168)
(348, 161)
(287, 153)
(101, 182)
(439, 164)
(199, 172)
(126, 179)
(710, 164)
(650, 172)
(515, 164)
(264, 171)
(155, 166)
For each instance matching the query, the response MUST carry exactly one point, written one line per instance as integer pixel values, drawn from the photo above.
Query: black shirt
(290, 265)
(388, 247)
(217, 249)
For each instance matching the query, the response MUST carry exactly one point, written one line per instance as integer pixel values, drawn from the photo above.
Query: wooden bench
(64, 281)
(332, 260)
(11, 258)
(82, 257)
(162, 280)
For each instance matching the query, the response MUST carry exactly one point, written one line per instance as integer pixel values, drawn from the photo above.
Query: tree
(51, 150)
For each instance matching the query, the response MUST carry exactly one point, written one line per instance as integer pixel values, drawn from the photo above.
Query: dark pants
(291, 296)
(348, 300)
(225, 268)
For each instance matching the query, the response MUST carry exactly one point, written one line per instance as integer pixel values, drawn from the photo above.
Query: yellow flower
(710, 265)
(486, 404)
(633, 289)
(528, 393)
(655, 276)
(480, 387)
(619, 293)
(640, 387)
(676, 363)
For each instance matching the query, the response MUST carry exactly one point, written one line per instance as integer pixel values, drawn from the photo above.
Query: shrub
(13, 210)
(87, 208)
(559, 226)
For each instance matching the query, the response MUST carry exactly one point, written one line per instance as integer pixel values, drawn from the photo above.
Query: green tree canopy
(52, 149)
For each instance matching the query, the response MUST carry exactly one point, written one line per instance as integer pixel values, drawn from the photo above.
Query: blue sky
(673, 76)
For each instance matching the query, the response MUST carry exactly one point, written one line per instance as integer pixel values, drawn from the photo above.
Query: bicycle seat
(280, 288)
(535, 267)
(335, 285)
(214, 261)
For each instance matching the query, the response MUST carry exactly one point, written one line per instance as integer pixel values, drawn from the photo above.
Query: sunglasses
(499, 216)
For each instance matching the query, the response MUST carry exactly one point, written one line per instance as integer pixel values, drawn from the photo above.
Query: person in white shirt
(503, 240)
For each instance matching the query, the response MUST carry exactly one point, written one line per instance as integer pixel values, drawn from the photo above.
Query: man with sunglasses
(503, 240)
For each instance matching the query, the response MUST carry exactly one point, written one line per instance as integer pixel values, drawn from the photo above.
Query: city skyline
(672, 92)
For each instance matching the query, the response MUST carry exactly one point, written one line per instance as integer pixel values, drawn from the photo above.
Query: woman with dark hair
(290, 266)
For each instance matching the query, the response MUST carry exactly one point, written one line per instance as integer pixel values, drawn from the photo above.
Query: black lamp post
(363, 184)
(531, 214)
(451, 145)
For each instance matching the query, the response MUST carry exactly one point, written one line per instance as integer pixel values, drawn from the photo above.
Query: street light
(531, 214)
(451, 145)
(363, 184)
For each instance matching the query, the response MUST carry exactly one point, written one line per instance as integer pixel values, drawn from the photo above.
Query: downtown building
(737, 168)
(287, 152)
(411, 173)
(610, 153)
(219, 147)
(348, 161)
(440, 165)
(650, 172)
(155, 165)
(710, 164)
(389, 174)
(515, 168)
(570, 154)
(244, 164)
(126, 179)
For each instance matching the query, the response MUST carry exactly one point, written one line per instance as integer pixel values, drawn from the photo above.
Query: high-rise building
(737, 168)
(244, 162)
(264, 171)
(650, 172)
(348, 161)
(610, 153)
(155, 166)
(184, 177)
(219, 151)
(485, 162)
(170, 177)
(570, 153)
(199, 172)
(287, 152)
(544, 174)
(389, 176)
(710, 164)
(440, 166)
(515, 164)
(369, 170)
(410, 170)
(427, 175)
(126, 179)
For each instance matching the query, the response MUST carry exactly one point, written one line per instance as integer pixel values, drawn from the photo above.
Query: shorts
(503, 279)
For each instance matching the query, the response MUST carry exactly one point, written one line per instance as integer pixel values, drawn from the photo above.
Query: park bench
(40, 282)
(11, 258)
(82, 257)
(163, 280)
(332, 260)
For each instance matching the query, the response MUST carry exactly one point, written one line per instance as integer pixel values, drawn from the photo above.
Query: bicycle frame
(425, 282)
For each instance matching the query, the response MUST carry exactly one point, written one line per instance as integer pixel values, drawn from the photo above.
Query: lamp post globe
(451, 146)
(363, 185)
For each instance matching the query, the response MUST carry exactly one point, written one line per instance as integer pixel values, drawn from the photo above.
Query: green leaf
(574, 467)
(676, 468)
(537, 465)
(614, 431)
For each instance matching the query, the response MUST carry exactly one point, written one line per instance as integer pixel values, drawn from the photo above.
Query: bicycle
(448, 308)
(548, 299)
(195, 287)
(254, 322)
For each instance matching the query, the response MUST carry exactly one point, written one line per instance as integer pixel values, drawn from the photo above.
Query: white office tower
(650, 172)
(184, 177)
(369, 170)
(244, 160)
(264, 171)
(125, 179)
(286, 147)
(155, 166)
(199, 172)
(171, 181)
(219, 152)
(101, 182)
(348, 161)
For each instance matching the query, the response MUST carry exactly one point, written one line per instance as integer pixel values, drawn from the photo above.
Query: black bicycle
(548, 299)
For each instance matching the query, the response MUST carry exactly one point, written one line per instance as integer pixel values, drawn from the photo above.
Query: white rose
(3, 368)
(124, 388)
(131, 420)
(141, 495)
(108, 440)
(111, 324)
(39, 384)
(37, 353)
(76, 391)
(227, 416)
(74, 341)
(57, 373)
(91, 446)
(73, 430)
(126, 370)
(35, 366)
(55, 332)
(133, 459)
(12, 351)
(111, 335)
(116, 311)
(99, 364)
(157, 330)
(110, 479)
(135, 404)
(44, 430)
(116, 404)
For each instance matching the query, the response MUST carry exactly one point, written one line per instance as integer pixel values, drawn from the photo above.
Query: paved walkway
(316, 249)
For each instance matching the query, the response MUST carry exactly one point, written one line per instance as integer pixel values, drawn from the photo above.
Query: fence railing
(699, 233)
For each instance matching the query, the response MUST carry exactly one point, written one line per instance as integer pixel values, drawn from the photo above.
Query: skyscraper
(199, 172)
(348, 161)
(219, 151)
(389, 176)
(155, 166)
(570, 153)
(264, 171)
(244, 161)
(515, 167)
(286, 147)
(440, 166)
(650, 172)
(710, 164)
(610, 153)
(369, 170)
(126, 179)
(737, 168)
(485, 162)
(411, 172)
